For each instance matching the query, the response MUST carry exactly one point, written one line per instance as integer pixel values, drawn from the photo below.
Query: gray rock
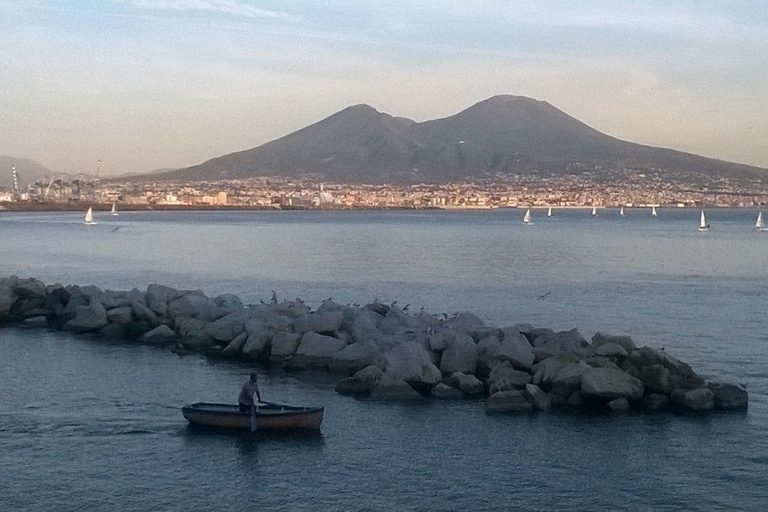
(460, 355)
(561, 343)
(618, 404)
(468, 384)
(656, 379)
(314, 352)
(446, 392)
(158, 297)
(284, 344)
(538, 398)
(35, 322)
(319, 322)
(486, 347)
(143, 313)
(729, 396)
(516, 349)
(701, 399)
(355, 357)
(259, 339)
(114, 332)
(610, 350)
(504, 377)
(229, 326)
(235, 347)
(507, 401)
(568, 378)
(122, 315)
(411, 363)
(545, 371)
(195, 306)
(7, 300)
(625, 342)
(655, 402)
(29, 288)
(229, 302)
(162, 334)
(575, 399)
(608, 384)
(89, 318)
(394, 390)
(290, 308)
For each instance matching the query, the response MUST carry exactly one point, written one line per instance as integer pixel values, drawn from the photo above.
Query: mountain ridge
(502, 134)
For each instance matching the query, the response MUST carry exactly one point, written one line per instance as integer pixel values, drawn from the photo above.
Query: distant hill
(503, 134)
(28, 171)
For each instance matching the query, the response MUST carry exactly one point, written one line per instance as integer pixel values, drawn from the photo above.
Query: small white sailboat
(653, 211)
(549, 212)
(621, 212)
(594, 211)
(703, 226)
(527, 217)
(760, 224)
(89, 217)
(114, 210)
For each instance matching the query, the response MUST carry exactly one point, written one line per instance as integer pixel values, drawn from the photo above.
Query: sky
(149, 84)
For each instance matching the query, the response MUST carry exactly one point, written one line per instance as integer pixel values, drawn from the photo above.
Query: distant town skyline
(143, 84)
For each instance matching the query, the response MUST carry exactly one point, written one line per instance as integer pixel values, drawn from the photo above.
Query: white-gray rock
(284, 344)
(507, 401)
(701, 399)
(122, 315)
(656, 379)
(608, 384)
(143, 313)
(389, 389)
(618, 404)
(625, 342)
(729, 396)
(446, 392)
(561, 343)
(468, 384)
(320, 322)
(229, 326)
(538, 398)
(610, 350)
(515, 349)
(504, 377)
(162, 334)
(568, 378)
(89, 318)
(195, 306)
(235, 347)
(410, 362)
(460, 354)
(355, 357)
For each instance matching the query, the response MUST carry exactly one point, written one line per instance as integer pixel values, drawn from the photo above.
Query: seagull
(115, 229)
(542, 297)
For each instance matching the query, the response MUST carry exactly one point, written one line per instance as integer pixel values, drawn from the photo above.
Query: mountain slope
(502, 134)
(28, 171)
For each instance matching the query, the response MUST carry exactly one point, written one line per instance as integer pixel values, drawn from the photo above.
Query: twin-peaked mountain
(503, 134)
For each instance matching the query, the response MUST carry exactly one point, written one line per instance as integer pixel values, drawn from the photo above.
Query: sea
(87, 424)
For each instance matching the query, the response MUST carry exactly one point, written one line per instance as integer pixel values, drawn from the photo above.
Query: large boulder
(504, 377)
(607, 384)
(468, 384)
(390, 389)
(460, 354)
(516, 349)
(656, 379)
(122, 315)
(411, 363)
(610, 350)
(229, 326)
(315, 351)
(567, 380)
(235, 347)
(561, 343)
(507, 401)
(284, 344)
(259, 338)
(320, 322)
(196, 306)
(700, 399)
(625, 342)
(7, 300)
(538, 398)
(355, 357)
(158, 296)
(89, 318)
(143, 313)
(160, 335)
(362, 382)
(729, 396)
(446, 392)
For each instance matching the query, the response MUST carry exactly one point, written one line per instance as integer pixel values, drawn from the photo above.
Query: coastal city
(595, 187)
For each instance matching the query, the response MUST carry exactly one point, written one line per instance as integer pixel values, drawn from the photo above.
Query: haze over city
(143, 84)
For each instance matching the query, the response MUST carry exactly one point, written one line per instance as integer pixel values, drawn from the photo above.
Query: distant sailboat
(594, 211)
(89, 217)
(653, 211)
(760, 225)
(549, 212)
(527, 217)
(114, 210)
(703, 226)
(621, 212)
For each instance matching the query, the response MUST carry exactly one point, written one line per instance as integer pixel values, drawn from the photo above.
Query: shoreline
(381, 352)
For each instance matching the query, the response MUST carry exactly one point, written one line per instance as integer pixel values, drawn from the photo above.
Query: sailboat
(114, 210)
(703, 226)
(653, 211)
(594, 211)
(527, 217)
(549, 212)
(621, 212)
(89, 217)
(759, 224)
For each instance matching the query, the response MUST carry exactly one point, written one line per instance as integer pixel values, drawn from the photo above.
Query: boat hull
(268, 417)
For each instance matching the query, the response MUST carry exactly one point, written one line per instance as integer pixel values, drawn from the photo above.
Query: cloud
(231, 7)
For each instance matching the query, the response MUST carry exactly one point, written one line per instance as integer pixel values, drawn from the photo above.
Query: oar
(254, 422)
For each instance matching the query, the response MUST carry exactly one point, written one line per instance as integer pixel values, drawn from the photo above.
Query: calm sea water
(85, 424)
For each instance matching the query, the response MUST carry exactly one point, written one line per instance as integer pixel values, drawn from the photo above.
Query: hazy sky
(144, 84)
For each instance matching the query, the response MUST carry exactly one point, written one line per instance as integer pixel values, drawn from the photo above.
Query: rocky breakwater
(382, 352)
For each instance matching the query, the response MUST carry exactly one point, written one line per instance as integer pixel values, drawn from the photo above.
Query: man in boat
(251, 387)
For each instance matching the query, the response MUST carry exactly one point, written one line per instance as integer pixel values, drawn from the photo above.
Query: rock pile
(383, 352)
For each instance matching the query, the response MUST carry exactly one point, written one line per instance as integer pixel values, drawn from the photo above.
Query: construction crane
(48, 188)
(16, 188)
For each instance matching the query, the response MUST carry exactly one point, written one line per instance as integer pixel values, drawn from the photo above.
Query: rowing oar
(254, 422)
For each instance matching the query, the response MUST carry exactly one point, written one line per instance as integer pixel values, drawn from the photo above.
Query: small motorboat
(264, 416)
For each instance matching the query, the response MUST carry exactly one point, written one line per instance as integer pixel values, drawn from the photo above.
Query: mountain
(503, 134)
(27, 170)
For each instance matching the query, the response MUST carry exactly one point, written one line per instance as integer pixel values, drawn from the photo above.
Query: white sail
(621, 212)
(549, 212)
(703, 226)
(114, 209)
(527, 217)
(653, 211)
(594, 211)
(89, 216)
(759, 224)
